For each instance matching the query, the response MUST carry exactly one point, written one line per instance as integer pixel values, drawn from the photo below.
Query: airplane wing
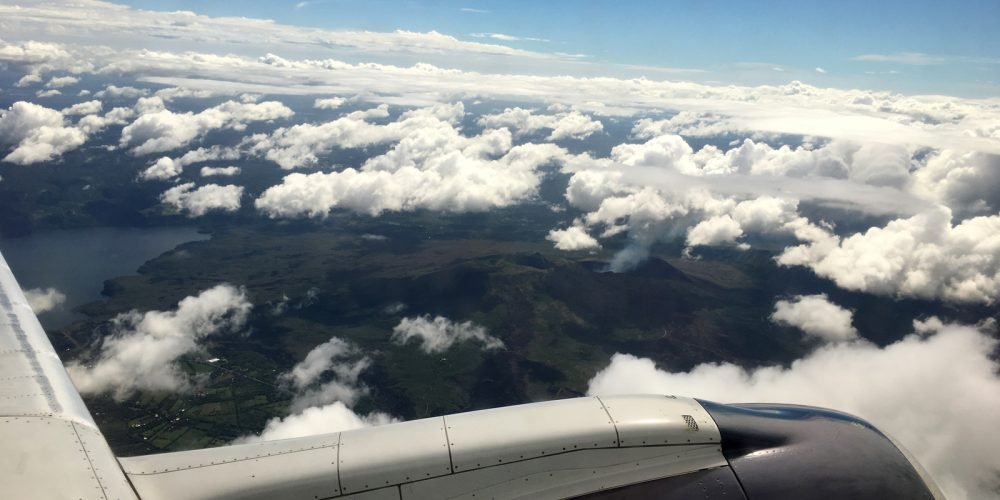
(644, 446)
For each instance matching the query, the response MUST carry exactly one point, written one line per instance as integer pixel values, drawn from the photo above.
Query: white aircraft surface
(644, 446)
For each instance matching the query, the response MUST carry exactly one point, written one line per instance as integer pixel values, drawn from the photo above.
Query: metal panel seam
(447, 440)
(721, 446)
(83, 446)
(226, 462)
(618, 438)
(340, 485)
(566, 453)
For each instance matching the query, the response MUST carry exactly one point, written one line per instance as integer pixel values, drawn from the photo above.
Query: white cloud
(432, 166)
(138, 28)
(300, 145)
(47, 93)
(820, 70)
(508, 38)
(572, 125)
(714, 231)
(574, 237)
(321, 359)
(795, 108)
(37, 133)
(166, 167)
(329, 102)
(921, 256)
(816, 316)
(141, 352)
(967, 182)
(164, 130)
(652, 189)
(28, 80)
(83, 108)
(207, 198)
(910, 389)
(58, 82)
(169, 94)
(43, 300)
(221, 171)
(125, 92)
(910, 58)
(334, 417)
(326, 385)
(439, 334)
(93, 123)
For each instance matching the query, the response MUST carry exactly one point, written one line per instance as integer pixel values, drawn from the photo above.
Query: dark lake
(78, 261)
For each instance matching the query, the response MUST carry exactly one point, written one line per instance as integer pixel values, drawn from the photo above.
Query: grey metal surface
(51, 446)
(657, 420)
(290, 468)
(492, 437)
(392, 454)
(568, 474)
(718, 483)
(542, 450)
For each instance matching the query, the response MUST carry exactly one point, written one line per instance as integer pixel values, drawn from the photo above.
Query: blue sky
(734, 42)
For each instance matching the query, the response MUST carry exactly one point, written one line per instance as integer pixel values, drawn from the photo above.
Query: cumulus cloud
(36, 133)
(334, 417)
(653, 189)
(169, 94)
(164, 130)
(123, 92)
(432, 166)
(329, 102)
(817, 317)
(220, 171)
(59, 82)
(439, 334)
(572, 125)
(326, 388)
(207, 198)
(300, 145)
(166, 167)
(43, 300)
(714, 231)
(321, 359)
(574, 237)
(141, 351)
(967, 182)
(93, 123)
(910, 389)
(83, 108)
(28, 80)
(921, 256)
